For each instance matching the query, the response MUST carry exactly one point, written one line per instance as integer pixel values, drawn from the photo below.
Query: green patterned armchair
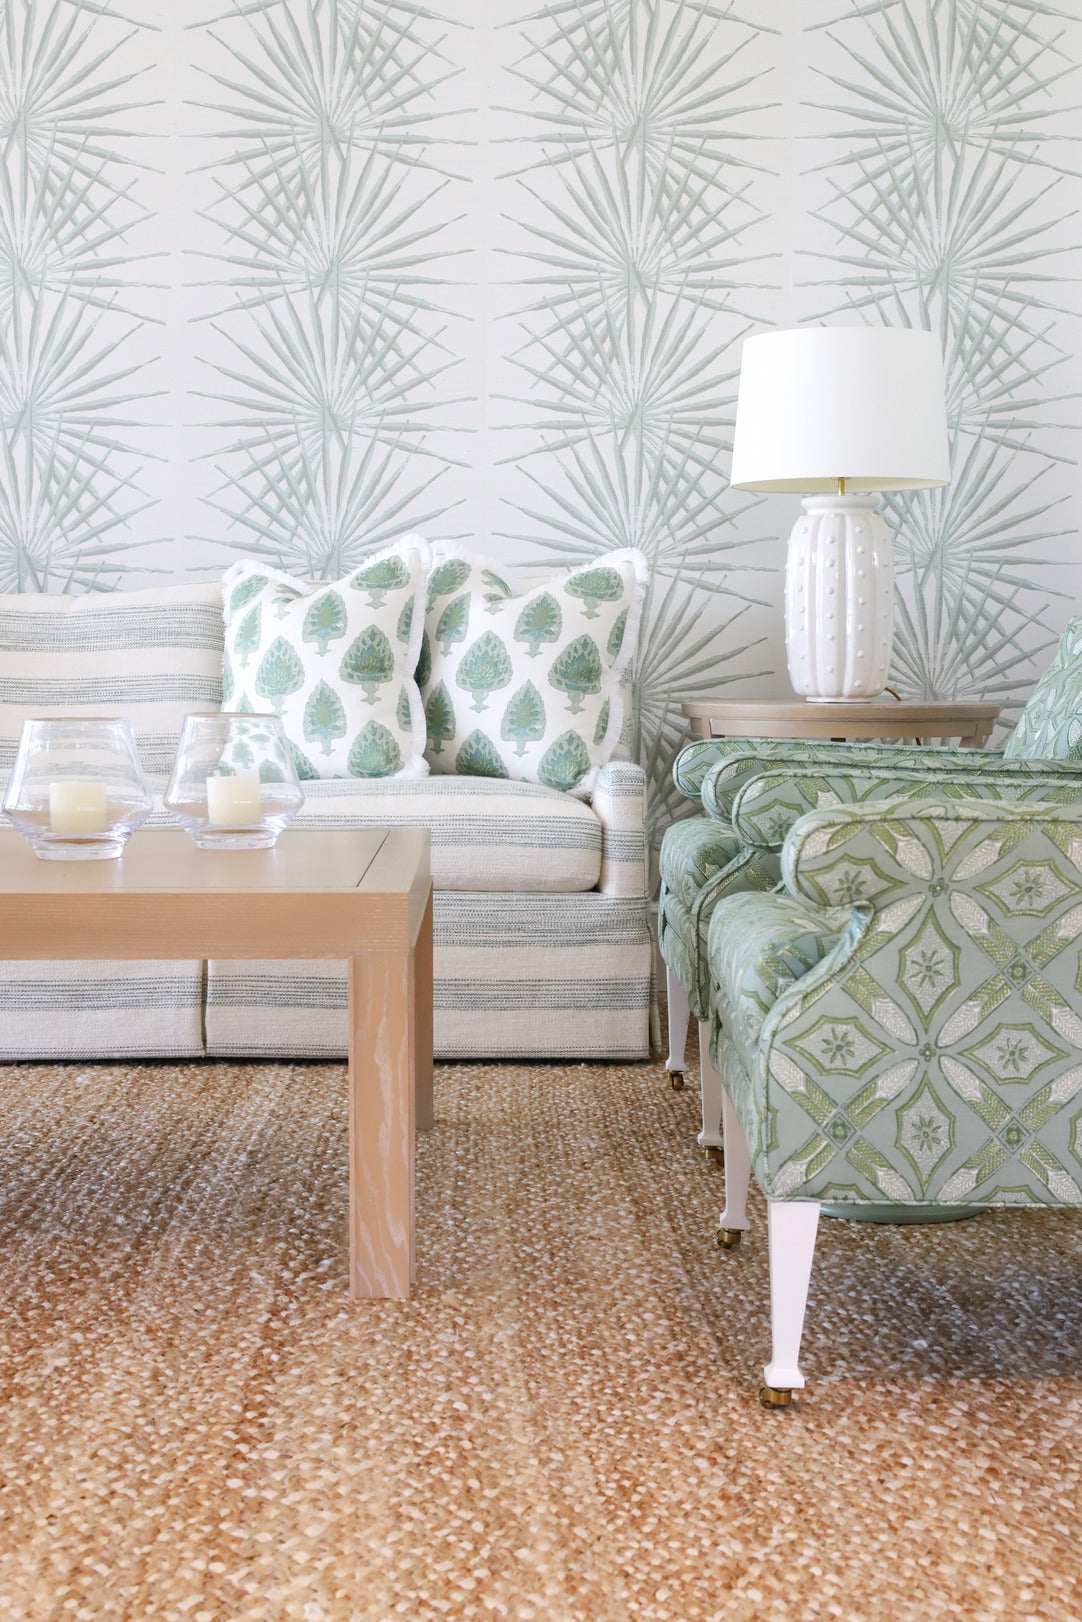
(753, 791)
(899, 1024)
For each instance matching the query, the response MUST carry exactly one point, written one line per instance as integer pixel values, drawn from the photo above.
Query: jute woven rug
(198, 1426)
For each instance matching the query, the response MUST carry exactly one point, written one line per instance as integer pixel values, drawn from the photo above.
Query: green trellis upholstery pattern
(900, 1025)
(700, 863)
(1051, 723)
(768, 804)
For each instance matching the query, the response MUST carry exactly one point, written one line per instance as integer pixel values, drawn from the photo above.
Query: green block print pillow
(526, 685)
(1050, 726)
(337, 661)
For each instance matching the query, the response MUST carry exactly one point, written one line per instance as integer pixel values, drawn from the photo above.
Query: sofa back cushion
(1050, 726)
(153, 656)
(336, 661)
(527, 685)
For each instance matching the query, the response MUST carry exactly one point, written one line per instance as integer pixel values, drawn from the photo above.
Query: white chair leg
(791, 1225)
(679, 1014)
(713, 1093)
(734, 1219)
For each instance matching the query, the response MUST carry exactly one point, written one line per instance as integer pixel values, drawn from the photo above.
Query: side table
(970, 724)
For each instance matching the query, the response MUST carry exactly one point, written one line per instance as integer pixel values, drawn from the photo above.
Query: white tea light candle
(76, 807)
(233, 802)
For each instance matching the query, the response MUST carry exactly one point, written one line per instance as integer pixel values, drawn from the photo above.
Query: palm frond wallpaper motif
(288, 278)
(638, 258)
(328, 353)
(947, 203)
(73, 392)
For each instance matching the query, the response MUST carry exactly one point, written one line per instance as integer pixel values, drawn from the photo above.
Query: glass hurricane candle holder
(77, 792)
(234, 786)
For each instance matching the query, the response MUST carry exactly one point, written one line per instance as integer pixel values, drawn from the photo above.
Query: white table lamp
(839, 414)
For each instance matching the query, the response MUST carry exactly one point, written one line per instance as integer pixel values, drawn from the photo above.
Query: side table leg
(382, 1097)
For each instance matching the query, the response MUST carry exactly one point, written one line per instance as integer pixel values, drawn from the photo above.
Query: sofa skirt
(516, 977)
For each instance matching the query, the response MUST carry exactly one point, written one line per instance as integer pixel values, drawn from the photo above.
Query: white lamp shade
(867, 404)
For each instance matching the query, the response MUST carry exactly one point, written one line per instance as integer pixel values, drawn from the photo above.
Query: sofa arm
(619, 802)
(771, 801)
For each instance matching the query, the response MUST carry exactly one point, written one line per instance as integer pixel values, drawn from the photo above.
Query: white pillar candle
(76, 807)
(233, 802)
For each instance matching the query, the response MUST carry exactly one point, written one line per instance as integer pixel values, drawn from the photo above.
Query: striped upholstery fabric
(154, 656)
(561, 969)
(516, 976)
(101, 1010)
(487, 834)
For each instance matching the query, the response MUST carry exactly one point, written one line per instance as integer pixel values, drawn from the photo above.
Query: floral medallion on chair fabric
(906, 1025)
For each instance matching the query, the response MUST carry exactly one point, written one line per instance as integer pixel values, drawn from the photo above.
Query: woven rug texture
(197, 1425)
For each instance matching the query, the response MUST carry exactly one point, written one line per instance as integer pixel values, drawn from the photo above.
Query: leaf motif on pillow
(616, 635)
(302, 765)
(368, 662)
(453, 623)
(424, 661)
(564, 762)
(280, 673)
(602, 722)
(447, 577)
(485, 667)
(479, 757)
(325, 621)
(524, 718)
(324, 717)
(374, 753)
(380, 578)
(577, 671)
(440, 715)
(244, 591)
(403, 713)
(540, 621)
(248, 634)
(497, 593)
(596, 586)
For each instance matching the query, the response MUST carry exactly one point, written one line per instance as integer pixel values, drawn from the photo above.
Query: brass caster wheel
(771, 1397)
(714, 1153)
(676, 1079)
(729, 1238)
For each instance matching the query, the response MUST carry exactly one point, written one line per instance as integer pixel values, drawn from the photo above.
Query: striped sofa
(542, 938)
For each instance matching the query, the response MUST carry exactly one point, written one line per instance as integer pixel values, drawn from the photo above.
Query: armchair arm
(887, 852)
(619, 802)
(770, 802)
(746, 757)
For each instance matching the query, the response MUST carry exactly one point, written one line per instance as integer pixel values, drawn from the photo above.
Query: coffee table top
(314, 894)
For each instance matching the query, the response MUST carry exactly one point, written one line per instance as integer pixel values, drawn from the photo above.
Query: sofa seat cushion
(487, 835)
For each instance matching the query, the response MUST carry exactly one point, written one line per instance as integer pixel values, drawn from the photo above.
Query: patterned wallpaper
(290, 277)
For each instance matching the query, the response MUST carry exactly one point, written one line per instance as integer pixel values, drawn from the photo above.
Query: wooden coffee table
(365, 895)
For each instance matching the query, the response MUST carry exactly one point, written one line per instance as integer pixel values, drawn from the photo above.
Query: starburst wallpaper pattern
(288, 278)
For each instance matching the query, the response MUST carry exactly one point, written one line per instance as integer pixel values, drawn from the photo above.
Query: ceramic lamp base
(839, 599)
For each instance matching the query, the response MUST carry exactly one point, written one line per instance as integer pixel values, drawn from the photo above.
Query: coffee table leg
(382, 1101)
(422, 994)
